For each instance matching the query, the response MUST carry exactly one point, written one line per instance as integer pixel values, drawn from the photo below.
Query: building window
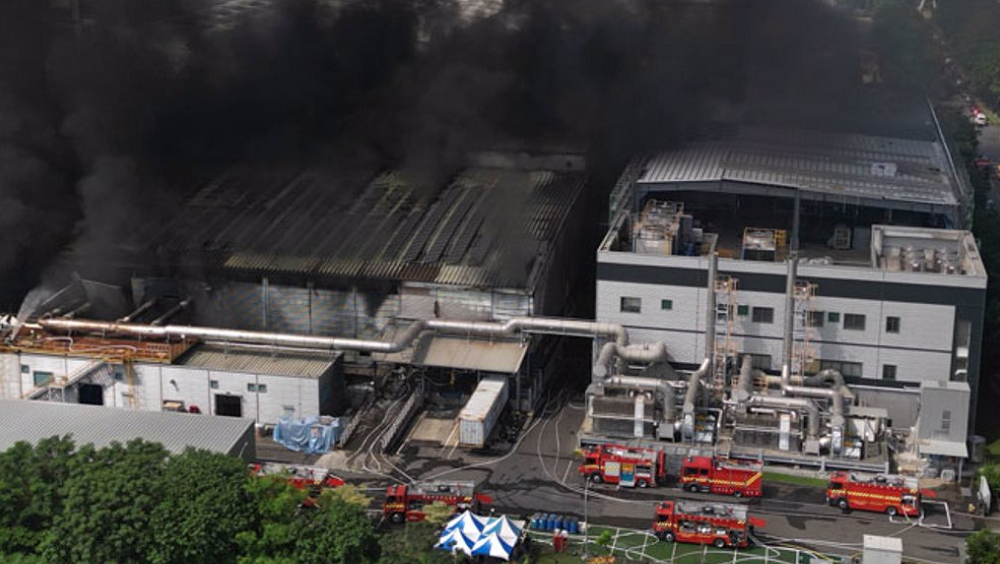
(892, 325)
(261, 388)
(119, 372)
(763, 315)
(666, 304)
(251, 387)
(854, 321)
(42, 378)
(889, 372)
(846, 368)
(214, 384)
(946, 421)
(742, 310)
(25, 369)
(814, 318)
(832, 317)
(759, 361)
(631, 305)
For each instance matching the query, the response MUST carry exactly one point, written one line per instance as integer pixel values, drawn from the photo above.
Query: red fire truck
(625, 466)
(406, 503)
(722, 476)
(893, 495)
(719, 524)
(313, 479)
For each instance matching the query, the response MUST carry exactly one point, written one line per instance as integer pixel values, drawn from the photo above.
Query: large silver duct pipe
(786, 351)
(691, 396)
(663, 387)
(798, 404)
(552, 326)
(744, 386)
(656, 352)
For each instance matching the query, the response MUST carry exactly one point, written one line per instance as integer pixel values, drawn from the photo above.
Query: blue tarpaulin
(313, 435)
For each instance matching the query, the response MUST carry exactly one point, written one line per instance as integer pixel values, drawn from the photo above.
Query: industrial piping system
(544, 325)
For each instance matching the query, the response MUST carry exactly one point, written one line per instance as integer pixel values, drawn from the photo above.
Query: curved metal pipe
(780, 402)
(656, 352)
(691, 396)
(744, 386)
(657, 384)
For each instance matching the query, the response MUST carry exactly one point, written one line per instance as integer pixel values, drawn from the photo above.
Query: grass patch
(794, 480)
(993, 450)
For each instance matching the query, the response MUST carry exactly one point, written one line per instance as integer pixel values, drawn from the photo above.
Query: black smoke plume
(109, 121)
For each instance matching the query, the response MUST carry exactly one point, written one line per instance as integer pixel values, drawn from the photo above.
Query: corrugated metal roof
(833, 163)
(483, 399)
(304, 223)
(31, 421)
(471, 354)
(259, 362)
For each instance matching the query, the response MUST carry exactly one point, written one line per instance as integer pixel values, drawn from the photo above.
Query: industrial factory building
(796, 271)
(283, 288)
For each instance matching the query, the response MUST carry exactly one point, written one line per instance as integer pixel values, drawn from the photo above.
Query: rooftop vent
(883, 169)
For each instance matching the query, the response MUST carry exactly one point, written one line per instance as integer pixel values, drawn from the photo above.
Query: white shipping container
(481, 412)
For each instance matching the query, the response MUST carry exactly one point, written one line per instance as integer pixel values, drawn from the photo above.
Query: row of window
(852, 321)
(251, 387)
(847, 368)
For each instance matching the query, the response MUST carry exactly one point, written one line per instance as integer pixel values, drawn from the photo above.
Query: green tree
(983, 547)
(348, 493)
(29, 492)
(107, 500)
(205, 505)
(276, 519)
(337, 532)
(412, 544)
(438, 513)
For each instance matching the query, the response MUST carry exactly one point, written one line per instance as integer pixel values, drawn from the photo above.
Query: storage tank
(480, 414)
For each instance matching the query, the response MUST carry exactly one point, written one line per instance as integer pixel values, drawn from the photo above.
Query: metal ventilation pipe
(656, 352)
(665, 390)
(138, 311)
(172, 311)
(800, 404)
(744, 386)
(691, 396)
(551, 326)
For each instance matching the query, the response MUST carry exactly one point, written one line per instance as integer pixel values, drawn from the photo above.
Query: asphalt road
(540, 475)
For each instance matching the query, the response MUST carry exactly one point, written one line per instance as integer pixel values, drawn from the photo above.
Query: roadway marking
(569, 465)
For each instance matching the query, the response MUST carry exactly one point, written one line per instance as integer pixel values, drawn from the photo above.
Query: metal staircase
(803, 332)
(725, 348)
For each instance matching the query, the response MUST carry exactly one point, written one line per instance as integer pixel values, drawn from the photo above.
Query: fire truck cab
(708, 474)
(889, 494)
(406, 503)
(719, 524)
(624, 466)
(312, 479)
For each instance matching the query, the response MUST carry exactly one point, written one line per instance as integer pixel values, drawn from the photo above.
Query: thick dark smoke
(107, 126)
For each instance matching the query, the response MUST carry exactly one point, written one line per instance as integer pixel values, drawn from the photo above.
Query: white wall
(924, 341)
(156, 383)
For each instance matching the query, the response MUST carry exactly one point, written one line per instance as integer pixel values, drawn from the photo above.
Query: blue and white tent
(470, 524)
(503, 528)
(455, 541)
(492, 545)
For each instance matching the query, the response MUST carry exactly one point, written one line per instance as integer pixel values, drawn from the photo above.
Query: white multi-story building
(887, 291)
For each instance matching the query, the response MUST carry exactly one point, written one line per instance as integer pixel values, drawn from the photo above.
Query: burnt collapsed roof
(490, 227)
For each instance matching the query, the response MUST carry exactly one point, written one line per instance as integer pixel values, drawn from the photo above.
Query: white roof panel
(832, 163)
(31, 421)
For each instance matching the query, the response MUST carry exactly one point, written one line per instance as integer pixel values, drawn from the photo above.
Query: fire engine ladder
(803, 353)
(725, 307)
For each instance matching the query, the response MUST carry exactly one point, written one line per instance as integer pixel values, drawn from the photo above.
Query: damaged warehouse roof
(486, 228)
